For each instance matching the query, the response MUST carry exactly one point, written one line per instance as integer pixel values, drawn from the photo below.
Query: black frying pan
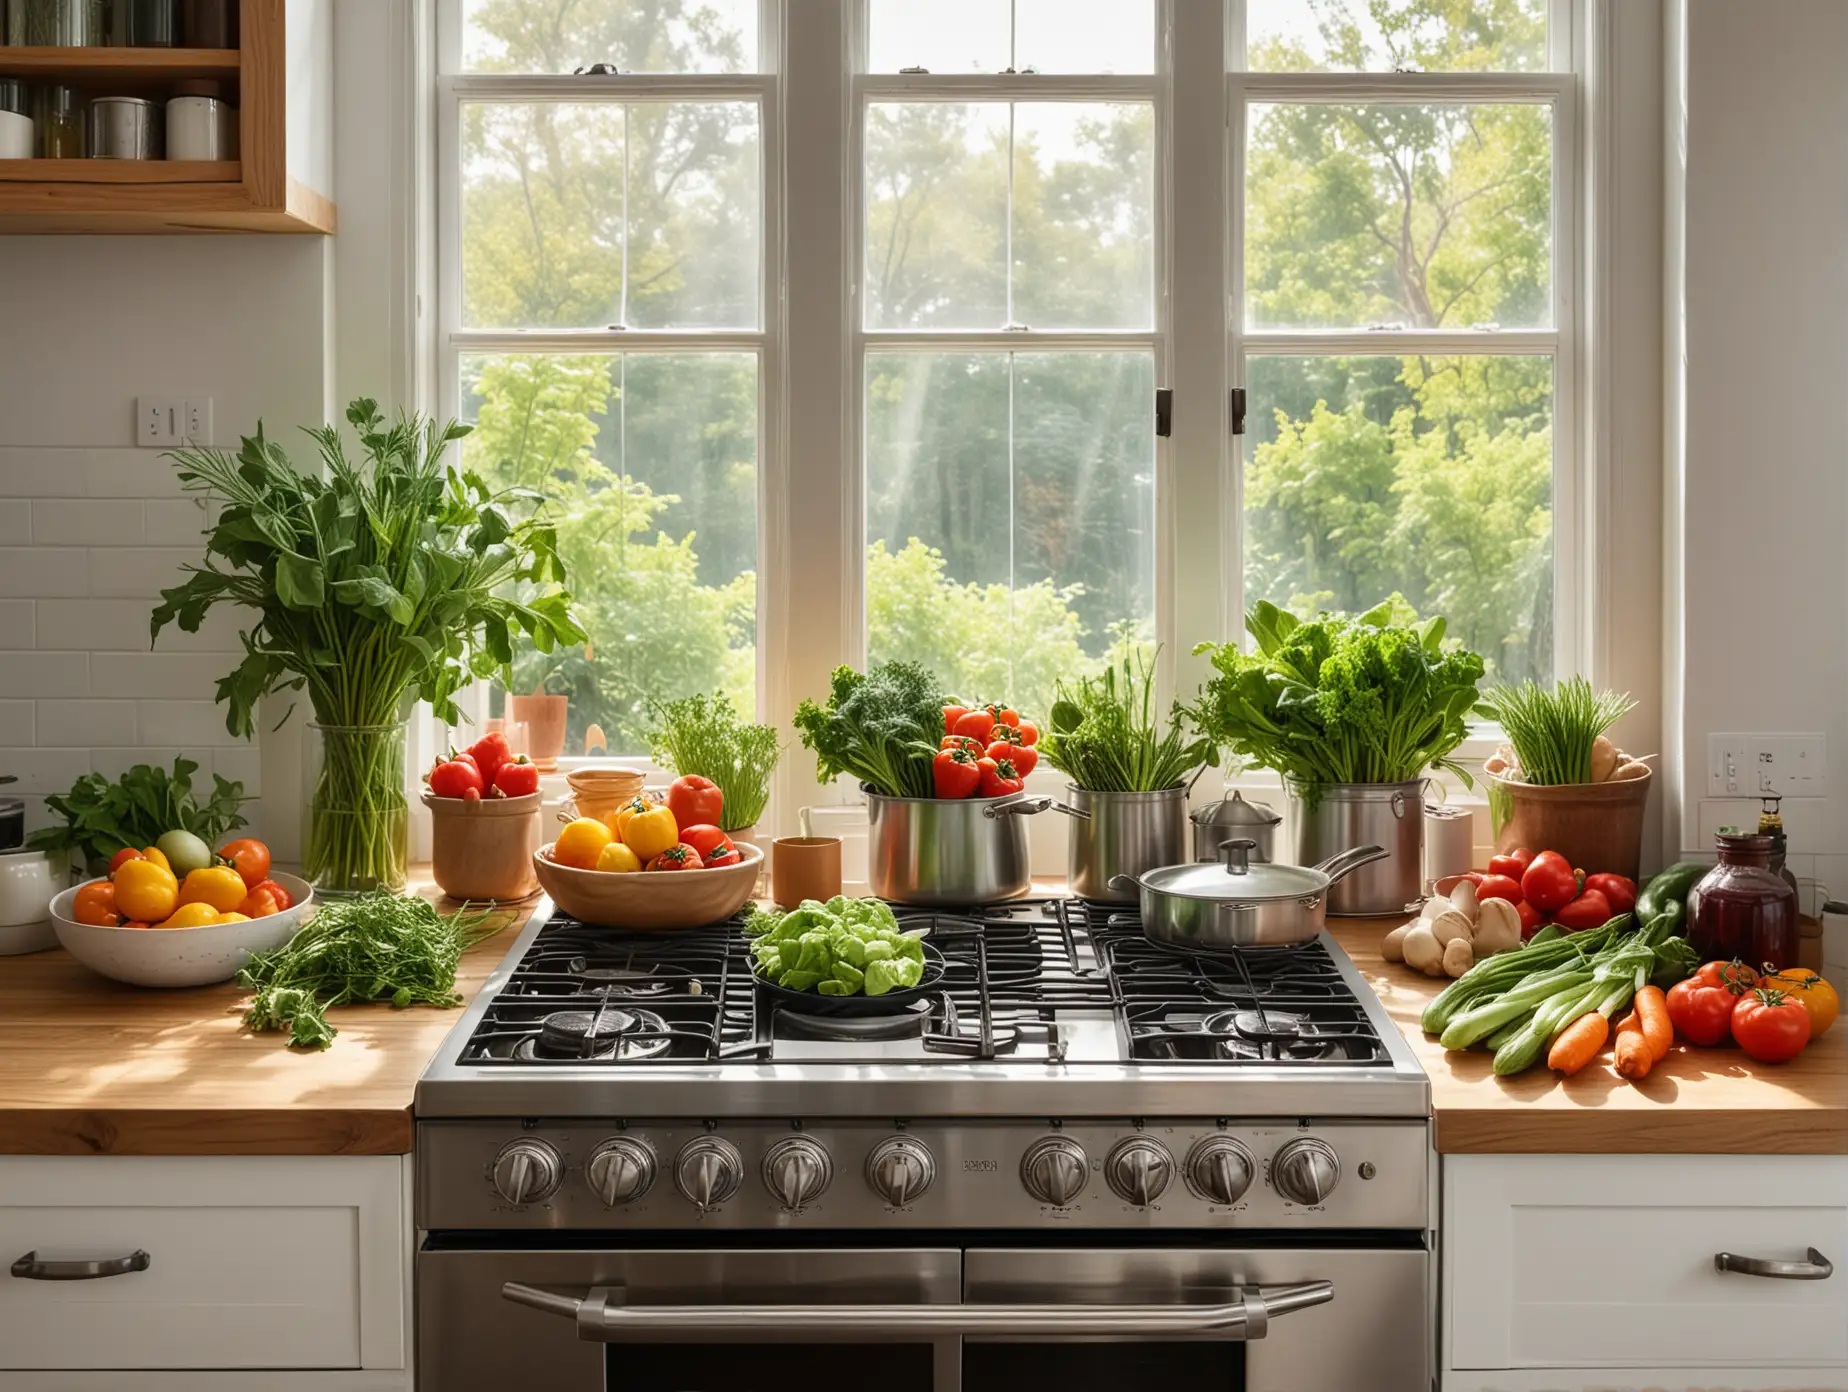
(845, 1007)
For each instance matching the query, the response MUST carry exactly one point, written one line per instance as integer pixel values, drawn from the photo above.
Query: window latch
(1238, 410)
(598, 70)
(1164, 411)
(913, 72)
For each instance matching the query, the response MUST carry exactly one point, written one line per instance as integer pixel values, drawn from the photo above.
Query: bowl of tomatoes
(154, 922)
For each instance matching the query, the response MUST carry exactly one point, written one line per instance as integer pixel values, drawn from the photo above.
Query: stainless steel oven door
(1373, 1329)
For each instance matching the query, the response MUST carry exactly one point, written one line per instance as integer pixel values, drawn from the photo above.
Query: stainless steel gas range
(1085, 1160)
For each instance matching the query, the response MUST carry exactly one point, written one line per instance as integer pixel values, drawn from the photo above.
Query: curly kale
(1339, 699)
(882, 728)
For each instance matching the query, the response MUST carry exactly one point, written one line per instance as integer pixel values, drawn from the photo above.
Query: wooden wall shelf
(281, 81)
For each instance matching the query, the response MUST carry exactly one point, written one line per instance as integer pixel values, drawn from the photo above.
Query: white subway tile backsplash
(16, 624)
(87, 522)
(44, 472)
(93, 722)
(138, 572)
(42, 771)
(113, 763)
(121, 625)
(16, 718)
(45, 674)
(129, 473)
(155, 674)
(43, 571)
(40, 473)
(175, 521)
(241, 763)
(15, 522)
(189, 724)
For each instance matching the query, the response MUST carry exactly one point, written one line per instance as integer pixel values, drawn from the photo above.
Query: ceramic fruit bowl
(178, 956)
(650, 900)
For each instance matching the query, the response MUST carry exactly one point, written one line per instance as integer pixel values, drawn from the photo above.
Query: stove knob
(620, 1171)
(1138, 1169)
(708, 1171)
(527, 1171)
(1305, 1170)
(1055, 1170)
(899, 1169)
(1219, 1170)
(797, 1170)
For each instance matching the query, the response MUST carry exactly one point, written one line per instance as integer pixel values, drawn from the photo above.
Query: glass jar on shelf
(60, 115)
(54, 23)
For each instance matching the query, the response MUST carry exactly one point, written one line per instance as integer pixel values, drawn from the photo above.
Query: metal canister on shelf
(126, 128)
(54, 23)
(208, 23)
(200, 124)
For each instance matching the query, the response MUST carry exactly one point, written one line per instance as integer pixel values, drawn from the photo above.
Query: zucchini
(1667, 894)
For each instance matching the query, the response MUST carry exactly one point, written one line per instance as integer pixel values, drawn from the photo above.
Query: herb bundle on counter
(1105, 737)
(882, 728)
(1340, 699)
(377, 947)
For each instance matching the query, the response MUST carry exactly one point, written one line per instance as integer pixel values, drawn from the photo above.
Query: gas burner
(1272, 1034)
(604, 1033)
(904, 1024)
(630, 983)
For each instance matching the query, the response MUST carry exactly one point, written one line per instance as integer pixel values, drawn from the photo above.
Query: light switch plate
(1755, 766)
(159, 421)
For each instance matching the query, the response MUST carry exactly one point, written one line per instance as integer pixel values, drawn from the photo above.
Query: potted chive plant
(705, 736)
(370, 585)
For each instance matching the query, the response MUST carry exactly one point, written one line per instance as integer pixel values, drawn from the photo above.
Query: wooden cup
(804, 867)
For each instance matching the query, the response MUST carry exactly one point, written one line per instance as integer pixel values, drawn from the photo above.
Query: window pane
(643, 36)
(1432, 477)
(1010, 515)
(549, 188)
(1415, 215)
(1384, 35)
(937, 224)
(651, 464)
(989, 36)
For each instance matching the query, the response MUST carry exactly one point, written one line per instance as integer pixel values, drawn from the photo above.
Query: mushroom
(1432, 907)
(1392, 946)
(1499, 928)
(1459, 957)
(1463, 899)
(1450, 925)
(1423, 951)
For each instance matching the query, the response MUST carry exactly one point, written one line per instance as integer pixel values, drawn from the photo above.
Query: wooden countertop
(92, 1067)
(1696, 1101)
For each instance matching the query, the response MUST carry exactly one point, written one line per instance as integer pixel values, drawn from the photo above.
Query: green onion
(1104, 736)
(1553, 731)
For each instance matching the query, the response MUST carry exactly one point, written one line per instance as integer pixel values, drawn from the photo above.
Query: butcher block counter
(1696, 1101)
(92, 1067)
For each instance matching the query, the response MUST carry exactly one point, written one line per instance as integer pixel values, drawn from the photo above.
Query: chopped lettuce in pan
(844, 947)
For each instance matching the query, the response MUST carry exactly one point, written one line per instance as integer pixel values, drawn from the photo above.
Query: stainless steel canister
(1233, 818)
(126, 128)
(1123, 834)
(1344, 815)
(949, 852)
(1449, 843)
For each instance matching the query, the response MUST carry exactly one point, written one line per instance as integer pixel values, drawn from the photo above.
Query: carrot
(1578, 1043)
(1652, 1017)
(1634, 1058)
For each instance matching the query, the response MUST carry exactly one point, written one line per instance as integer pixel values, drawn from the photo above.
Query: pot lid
(1239, 879)
(1236, 812)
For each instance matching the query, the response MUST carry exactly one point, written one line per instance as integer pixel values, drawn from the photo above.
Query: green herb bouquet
(704, 735)
(371, 583)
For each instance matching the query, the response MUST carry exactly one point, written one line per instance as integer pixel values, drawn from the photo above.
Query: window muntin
(634, 36)
(1011, 36)
(1396, 35)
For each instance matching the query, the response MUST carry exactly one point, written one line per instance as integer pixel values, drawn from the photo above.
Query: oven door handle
(601, 1316)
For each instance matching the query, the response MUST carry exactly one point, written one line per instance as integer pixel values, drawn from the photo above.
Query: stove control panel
(923, 1173)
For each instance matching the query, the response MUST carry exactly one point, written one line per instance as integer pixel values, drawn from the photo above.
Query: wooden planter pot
(1596, 826)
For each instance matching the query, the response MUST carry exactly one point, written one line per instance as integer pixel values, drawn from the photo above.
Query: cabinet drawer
(1607, 1261)
(251, 1262)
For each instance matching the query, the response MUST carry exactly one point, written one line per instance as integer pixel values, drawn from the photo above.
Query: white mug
(201, 128)
(16, 134)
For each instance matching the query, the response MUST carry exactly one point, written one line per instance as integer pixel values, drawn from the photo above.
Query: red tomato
(954, 774)
(974, 746)
(95, 905)
(284, 900)
(1532, 920)
(977, 724)
(1029, 732)
(705, 839)
(1701, 1011)
(1513, 865)
(680, 857)
(127, 853)
(489, 753)
(1770, 1025)
(1004, 716)
(999, 778)
(952, 714)
(454, 778)
(727, 854)
(1497, 886)
(259, 903)
(1619, 889)
(517, 777)
(250, 858)
(1590, 910)
(695, 801)
(1549, 883)
(1022, 757)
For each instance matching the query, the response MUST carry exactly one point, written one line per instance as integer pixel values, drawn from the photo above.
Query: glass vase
(357, 830)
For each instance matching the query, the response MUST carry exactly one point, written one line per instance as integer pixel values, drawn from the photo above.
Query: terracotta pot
(805, 867)
(544, 719)
(1596, 826)
(484, 850)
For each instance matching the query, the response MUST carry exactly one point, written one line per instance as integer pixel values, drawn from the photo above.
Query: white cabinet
(1564, 1272)
(205, 1266)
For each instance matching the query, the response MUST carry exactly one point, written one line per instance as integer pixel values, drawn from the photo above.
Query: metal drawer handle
(30, 1268)
(1817, 1268)
(602, 1317)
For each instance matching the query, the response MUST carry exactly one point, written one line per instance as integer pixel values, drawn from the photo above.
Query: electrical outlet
(159, 421)
(196, 425)
(1752, 766)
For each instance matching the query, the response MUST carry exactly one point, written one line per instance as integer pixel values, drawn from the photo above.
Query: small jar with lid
(1741, 908)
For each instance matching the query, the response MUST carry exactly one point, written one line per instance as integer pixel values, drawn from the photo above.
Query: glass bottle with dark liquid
(1742, 908)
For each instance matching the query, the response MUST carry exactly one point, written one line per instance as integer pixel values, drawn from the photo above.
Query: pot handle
(1345, 862)
(1124, 882)
(1029, 807)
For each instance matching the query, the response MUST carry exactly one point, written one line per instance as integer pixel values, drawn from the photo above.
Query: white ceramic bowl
(178, 956)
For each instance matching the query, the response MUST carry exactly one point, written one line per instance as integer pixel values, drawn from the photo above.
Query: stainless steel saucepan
(1242, 903)
(950, 852)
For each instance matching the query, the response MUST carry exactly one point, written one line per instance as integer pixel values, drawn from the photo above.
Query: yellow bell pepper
(218, 885)
(619, 819)
(197, 914)
(651, 832)
(145, 892)
(619, 859)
